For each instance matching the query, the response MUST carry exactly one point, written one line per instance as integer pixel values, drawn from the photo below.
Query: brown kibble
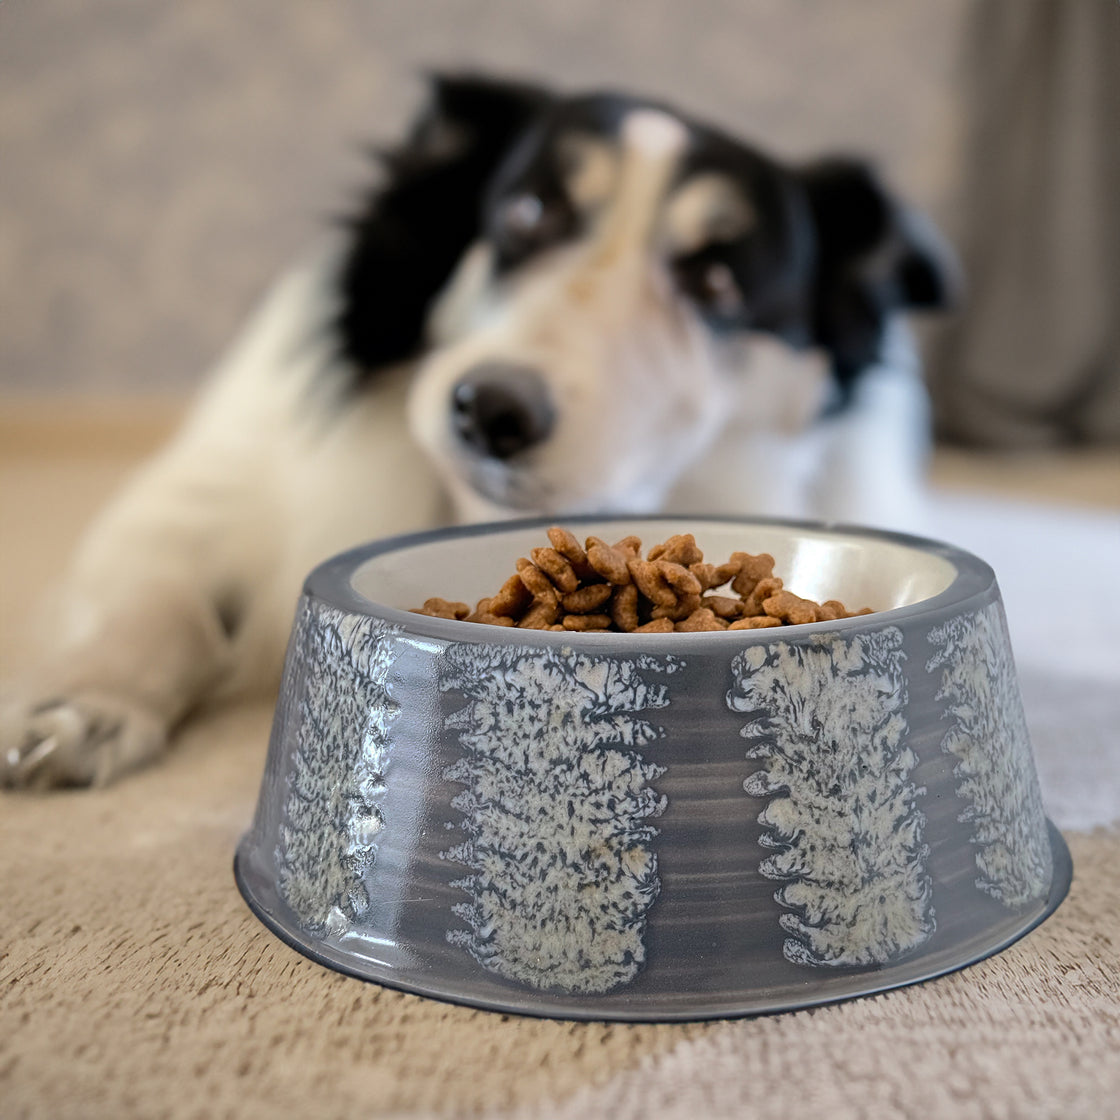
(830, 610)
(631, 545)
(443, 608)
(587, 622)
(603, 588)
(586, 599)
(679, 577)
(752, 569)
(567, 544)
(558, 570)
(679, 549)
(681, 609)
(699, 620)
(657, 626)
(790, 608)
(686, 589)
(652, 584)
(758, 622)
(726, 571)
(624, 608)
(542, 614)
(483, 607)
(513, 599)
(689, 603)
(706, 574)
(752, 604)
(536, 582)
(723, 606)
(491, 619)
(607, 561)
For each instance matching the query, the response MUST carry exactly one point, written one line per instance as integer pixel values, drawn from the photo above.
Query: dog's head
(583, 280)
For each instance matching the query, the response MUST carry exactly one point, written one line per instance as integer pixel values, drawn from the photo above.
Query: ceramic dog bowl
(677, 826)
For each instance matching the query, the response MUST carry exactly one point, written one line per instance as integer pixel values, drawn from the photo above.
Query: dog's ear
(415, 227)
(874, 256)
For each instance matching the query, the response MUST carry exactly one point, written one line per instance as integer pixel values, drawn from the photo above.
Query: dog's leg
(172, 580)
(873, 455)
(139, 630)
(186, 585)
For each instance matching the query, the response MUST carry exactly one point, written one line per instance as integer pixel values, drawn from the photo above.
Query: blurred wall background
(160, 163)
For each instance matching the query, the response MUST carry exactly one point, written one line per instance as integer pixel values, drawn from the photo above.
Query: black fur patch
(830, 255)
(415, 229)
(871, 260)
(772, 261)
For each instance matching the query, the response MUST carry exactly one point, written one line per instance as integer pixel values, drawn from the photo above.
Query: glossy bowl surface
(646, 827)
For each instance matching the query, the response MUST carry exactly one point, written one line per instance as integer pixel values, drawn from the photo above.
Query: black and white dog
(552, 305)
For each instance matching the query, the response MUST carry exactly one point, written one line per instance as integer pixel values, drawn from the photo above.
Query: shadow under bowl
(652, 826)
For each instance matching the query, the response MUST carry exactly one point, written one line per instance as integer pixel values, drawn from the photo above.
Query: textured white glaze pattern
(829, 722)
(995, 772)
(554, 812)
(341, 751)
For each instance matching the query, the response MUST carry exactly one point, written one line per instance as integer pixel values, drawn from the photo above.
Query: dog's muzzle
(500, 410)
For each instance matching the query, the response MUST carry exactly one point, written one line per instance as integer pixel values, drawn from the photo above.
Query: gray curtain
(1034, 359)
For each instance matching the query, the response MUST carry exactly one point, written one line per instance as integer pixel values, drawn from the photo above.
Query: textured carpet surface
(135, 983)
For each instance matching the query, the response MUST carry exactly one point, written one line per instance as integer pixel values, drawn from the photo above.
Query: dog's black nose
(500, 409)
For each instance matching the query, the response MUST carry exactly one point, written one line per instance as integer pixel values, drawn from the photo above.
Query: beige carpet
(135, 983)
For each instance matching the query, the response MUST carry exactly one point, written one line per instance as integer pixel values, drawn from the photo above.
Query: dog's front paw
(83, 739)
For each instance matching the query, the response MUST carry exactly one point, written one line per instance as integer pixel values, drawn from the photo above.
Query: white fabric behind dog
(1057, 568)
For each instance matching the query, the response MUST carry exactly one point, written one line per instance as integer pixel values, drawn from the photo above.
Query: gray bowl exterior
(620, 827)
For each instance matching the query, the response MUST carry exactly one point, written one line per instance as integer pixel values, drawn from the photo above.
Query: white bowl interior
(817, 564)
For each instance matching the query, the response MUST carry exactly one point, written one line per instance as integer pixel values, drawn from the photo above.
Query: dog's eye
(712, 285)
(520, 215)
(527, 222)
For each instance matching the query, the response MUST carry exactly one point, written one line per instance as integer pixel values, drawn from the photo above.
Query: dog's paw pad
(83, 740)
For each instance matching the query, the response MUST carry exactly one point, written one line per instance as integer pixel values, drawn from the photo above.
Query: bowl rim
(331, 582)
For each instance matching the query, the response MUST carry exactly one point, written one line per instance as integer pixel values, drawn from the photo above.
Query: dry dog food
(597, 587)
